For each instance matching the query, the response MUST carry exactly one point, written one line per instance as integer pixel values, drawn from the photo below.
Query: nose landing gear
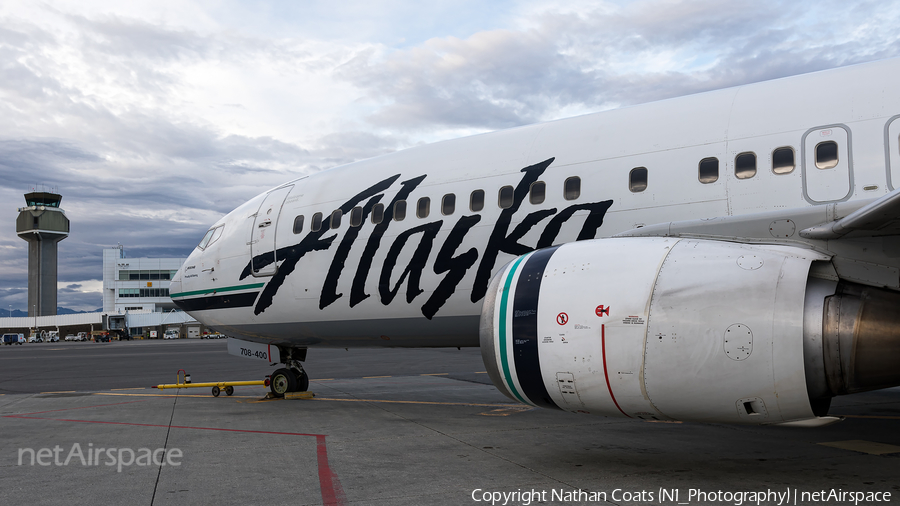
(289, 379)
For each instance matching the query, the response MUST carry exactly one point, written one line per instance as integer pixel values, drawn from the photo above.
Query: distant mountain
(65, 310)
(60, 310)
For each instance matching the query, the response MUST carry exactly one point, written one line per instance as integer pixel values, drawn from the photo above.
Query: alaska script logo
(447, 261)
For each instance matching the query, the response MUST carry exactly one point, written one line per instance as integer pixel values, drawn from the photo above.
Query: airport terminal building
(136, 303)
(137, 284)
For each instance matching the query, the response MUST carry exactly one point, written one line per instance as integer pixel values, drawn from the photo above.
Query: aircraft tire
(302, 381)
(282, 381)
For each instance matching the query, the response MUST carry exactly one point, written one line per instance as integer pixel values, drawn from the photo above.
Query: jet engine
(682, 329)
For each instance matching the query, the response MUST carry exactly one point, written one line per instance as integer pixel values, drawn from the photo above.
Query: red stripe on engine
(605, 371)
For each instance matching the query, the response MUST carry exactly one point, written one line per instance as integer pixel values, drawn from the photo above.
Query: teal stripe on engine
(504, 304)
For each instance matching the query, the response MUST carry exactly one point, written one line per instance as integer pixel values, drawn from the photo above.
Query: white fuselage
(421, 281)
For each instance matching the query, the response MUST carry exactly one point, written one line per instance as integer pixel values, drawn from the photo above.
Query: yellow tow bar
(183, 380)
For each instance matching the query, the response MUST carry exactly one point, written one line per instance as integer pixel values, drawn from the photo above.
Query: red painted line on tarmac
(605, 371)
(329, 484)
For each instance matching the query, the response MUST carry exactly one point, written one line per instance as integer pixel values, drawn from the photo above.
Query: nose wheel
(286, 380)
(302, 381)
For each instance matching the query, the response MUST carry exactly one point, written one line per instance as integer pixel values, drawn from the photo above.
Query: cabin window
(708, 171)
(335, 219)
(316, 224)
(572, 188)
(448, 204)
(745, 165)
(423, 206)
(826, 155)
(476, 201)
(377, 213)
(537, 193)
(783, 160)
(298, 224)
(637, 179)
(400, 210)
(356, 215)
(505, 197)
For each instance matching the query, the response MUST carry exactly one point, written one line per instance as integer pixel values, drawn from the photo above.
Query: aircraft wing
(878, 218)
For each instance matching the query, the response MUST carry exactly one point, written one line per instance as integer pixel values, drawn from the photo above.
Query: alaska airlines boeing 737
(730, 256)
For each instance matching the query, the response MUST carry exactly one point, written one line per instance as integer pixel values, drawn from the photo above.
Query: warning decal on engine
(633, 320)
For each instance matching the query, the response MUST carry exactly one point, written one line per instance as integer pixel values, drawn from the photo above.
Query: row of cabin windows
(505, 199)
(826, 157)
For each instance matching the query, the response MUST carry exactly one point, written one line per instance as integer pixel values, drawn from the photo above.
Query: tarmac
(392, 427)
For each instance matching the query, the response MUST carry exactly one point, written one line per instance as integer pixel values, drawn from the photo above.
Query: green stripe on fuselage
(217, 290)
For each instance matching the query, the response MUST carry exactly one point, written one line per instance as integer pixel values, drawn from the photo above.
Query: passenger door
(827, 164)
(262, 241)
(892, 151)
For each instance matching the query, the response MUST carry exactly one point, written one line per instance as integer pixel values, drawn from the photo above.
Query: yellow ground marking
(323, 379)
(858, 445)
(877, 417)
(511, 410)
(436, 374)
(503, 406)
(136, 388)
(373, 377)
(179, 395)
(481, 372)
(62, 392)
(506, 406)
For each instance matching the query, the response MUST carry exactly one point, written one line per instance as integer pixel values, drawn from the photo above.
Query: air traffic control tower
(43, 224)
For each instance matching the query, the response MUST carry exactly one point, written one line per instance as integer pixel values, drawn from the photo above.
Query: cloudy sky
(155, 118)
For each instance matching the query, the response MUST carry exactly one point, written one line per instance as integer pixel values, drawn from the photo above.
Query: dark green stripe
(504, 302)
(217, 290)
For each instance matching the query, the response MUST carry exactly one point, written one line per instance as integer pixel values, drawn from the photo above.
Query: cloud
(601, 56)
(154, 119)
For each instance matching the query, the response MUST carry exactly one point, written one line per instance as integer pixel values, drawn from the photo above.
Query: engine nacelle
(676, 329)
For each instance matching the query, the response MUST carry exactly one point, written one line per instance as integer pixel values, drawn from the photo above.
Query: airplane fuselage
(327, 260)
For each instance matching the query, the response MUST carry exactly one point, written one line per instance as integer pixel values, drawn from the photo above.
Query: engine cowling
(682, 329)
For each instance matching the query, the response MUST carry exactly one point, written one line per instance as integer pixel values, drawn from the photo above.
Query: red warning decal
(602, 310)
(562, 318)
